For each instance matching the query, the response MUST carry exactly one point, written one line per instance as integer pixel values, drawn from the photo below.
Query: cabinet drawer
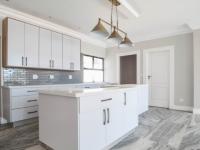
(24, 101)
(94, 102)
(24, 113)
(24, 91)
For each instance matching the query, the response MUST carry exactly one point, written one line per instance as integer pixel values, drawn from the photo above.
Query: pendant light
(115, 32)
(100, 30)
(126, 42)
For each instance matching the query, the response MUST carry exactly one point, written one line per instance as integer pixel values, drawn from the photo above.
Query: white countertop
(79, 92)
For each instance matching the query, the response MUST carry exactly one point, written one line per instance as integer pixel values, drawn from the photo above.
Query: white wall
(196, 39)
(183, 64)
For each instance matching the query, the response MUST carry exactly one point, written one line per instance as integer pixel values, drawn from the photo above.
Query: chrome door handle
(32, 112)
(125, 99)
(108, 113)
(149, 77)
(104, 100)
(34, 100)
(104, 117)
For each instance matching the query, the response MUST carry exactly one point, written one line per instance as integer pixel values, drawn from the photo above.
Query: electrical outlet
(35, 76)
(51, 76)
(70, 77)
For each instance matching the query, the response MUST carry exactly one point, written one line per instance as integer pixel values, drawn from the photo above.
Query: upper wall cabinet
(71, 53)
(45, 48)
(56, 57)
(29, 46)
(13, 43)
(20, 44)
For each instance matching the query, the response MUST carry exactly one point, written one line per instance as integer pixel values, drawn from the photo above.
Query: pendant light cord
(112, 16)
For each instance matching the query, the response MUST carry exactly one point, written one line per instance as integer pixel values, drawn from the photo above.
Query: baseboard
(196, 111)
(182, 108)
(3, 121)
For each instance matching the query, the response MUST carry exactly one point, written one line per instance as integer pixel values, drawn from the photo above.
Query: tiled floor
(159, 129)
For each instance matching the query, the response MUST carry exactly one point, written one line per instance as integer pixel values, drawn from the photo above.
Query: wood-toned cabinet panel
(31, 46)
(56, 50)
(45, 48)
(15, 43)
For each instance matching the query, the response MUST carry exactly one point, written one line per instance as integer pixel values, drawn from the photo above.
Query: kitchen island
(89, 119)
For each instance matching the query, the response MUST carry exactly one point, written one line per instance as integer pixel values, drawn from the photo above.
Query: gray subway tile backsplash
(18, 76)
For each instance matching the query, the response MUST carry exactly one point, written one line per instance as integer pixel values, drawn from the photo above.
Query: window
(93, 69)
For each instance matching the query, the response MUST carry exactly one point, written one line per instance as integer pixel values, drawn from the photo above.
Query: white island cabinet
(87, 119)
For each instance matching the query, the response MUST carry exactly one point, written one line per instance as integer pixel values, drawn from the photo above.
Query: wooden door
(45, 48)
(128, 69)
(31, 46)
(56, 50)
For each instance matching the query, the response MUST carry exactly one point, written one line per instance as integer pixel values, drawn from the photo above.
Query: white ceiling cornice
(9, 12)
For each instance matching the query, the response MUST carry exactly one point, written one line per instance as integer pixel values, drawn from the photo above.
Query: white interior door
(157, 75)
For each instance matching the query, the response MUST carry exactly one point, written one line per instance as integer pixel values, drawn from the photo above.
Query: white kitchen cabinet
(92, 124)
(31, 46)
(45, 48)
(56, 57)
(89, 122)
(130, 110)
(71, 53)
(13, 43)
(143, 98)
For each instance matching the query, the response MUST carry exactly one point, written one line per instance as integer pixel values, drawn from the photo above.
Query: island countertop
(79, 92)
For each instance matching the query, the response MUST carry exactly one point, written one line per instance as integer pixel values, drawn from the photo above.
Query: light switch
(35, 76)
(51, 76)
(70, 77)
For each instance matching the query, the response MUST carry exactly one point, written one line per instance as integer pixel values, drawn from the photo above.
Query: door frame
(137, 53)
(146, 53)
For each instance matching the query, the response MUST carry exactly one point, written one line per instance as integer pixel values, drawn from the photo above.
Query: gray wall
(196, 37)
(183, 64)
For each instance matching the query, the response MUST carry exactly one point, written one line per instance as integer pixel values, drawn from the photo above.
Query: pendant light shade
(100, 30)
(126, 42)
(115, 36)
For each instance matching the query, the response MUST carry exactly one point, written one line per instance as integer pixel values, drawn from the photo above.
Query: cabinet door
(92, 124)
(130, 110)
(114, 118)
(31, 46)
(56, 50)
(71, 53)
(45, 48)
(15, 43)
(66, 52)
(75, 53)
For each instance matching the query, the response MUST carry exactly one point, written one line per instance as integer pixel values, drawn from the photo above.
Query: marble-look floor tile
(159, 129)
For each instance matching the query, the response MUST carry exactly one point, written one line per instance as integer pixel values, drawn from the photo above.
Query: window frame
(93, 57)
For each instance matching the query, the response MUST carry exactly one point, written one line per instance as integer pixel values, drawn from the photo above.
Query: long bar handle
(108, 113)
(104, 117)
(125, 102)
(104, 100)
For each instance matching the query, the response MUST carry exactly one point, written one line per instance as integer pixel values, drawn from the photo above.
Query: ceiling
(158, 18)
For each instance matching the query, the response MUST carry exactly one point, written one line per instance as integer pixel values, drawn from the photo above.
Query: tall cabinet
(30, 46)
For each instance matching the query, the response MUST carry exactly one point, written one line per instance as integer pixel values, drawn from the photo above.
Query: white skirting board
(182, 108)
(3, 121)
(196, 111)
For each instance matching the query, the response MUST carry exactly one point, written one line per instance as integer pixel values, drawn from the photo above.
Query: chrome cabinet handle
(125, 102)
(32, 91)
(50, 63)
(32, 112)
(108, 113)
(104, 100)
(22, 61)
(53, 63)
(33, 100)
(26, 61)
(104, 117)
